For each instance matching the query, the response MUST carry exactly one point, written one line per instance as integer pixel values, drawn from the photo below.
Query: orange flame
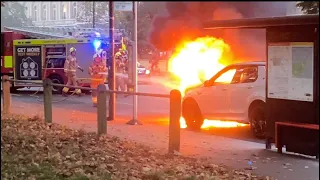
(197, 61)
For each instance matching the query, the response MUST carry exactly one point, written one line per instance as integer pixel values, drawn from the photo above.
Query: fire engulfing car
(235, 93)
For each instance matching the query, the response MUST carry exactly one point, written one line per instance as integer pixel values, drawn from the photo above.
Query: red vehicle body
(50, 59)
(7, 51)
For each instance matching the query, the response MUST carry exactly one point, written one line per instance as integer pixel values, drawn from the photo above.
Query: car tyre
(14, 89)
(56, 79)
(257, 120)
(192, 115)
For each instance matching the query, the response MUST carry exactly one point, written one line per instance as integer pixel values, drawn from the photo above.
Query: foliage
(13, 14)
(85, 13)
(309, 7)
(123, 20)
(31, 149)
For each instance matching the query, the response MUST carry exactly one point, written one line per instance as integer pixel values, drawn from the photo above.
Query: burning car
(217, 93)
(235, 93)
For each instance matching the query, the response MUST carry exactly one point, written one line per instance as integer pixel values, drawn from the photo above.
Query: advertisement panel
(290, 71)
(28, 64)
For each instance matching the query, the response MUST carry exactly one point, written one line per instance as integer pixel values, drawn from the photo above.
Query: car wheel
(257, 121)
(56, 79)
(192, 114)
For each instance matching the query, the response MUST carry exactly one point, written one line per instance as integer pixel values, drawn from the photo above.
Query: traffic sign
(123, 6)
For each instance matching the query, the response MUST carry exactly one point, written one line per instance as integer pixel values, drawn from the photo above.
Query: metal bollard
(6, 94)
(174, 125)
(47, 100)
(101, 109)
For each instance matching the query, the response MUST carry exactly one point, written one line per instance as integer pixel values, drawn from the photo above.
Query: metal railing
(174, 96)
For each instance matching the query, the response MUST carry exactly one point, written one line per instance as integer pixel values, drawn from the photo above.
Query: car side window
(226, 77)
(249, 74)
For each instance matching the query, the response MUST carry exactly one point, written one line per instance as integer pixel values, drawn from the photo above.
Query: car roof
(258, 63)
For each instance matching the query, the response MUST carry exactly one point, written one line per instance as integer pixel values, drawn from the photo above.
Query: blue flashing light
(96, 44)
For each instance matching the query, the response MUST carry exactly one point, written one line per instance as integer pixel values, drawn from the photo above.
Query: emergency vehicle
(24, 56)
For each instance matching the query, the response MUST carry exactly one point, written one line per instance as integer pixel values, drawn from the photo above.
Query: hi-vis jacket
(95, 68)
(121, 60)
(71, 66)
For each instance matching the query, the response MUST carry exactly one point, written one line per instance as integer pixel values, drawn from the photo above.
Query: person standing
(120, 69)
(70, 69)
(96, 71)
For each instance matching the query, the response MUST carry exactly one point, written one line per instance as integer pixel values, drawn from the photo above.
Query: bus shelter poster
(28, 62)
(290, 71)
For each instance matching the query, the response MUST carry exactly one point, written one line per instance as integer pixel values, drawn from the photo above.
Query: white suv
(235, 93)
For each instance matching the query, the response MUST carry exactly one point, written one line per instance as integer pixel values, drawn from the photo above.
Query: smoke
(183, 21)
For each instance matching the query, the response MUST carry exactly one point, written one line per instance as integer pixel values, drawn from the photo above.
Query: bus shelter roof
(263, 22)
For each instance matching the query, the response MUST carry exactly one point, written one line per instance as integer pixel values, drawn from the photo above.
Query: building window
(44, 12)
(35, 13)
(27, 12)
(63, 11)
(73, 10)
(54, 12)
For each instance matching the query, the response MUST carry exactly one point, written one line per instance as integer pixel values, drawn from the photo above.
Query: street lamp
(93, 14)
(135, 120)
(111, 65)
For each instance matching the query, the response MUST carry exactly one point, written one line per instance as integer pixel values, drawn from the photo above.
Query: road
(233, 147)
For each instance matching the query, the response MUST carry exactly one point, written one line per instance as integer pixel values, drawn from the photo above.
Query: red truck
(37, 59)
(7, 53)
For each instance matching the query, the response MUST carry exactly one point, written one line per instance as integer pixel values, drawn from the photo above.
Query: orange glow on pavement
(214, 124)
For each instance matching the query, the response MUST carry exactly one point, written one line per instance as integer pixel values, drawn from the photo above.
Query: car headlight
(147, 72)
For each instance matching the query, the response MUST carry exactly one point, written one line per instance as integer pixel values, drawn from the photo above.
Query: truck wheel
(192, 114)
(88, 92)
(257, 121)
(13, 89)
(56, 79)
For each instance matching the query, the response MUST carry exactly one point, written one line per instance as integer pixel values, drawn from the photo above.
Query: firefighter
(154, 61)
(95, 70)
(120, 68)
(70, 68)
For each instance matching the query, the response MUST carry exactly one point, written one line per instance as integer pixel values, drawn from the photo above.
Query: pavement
(234, 147)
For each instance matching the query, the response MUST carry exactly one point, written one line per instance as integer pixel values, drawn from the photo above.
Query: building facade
(51, 13)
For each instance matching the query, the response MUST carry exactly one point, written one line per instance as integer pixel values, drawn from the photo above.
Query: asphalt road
(150, 109)
(124, 106)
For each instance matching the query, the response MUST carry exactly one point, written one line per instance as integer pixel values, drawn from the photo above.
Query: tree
(146, 12)
(13, 14)
(309, 7)
(85, 13)
(123, 20)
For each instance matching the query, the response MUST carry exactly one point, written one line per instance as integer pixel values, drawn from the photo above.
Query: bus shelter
(292, 83)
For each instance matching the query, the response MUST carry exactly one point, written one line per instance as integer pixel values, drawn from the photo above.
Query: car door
(239, 94)
(212, 98)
